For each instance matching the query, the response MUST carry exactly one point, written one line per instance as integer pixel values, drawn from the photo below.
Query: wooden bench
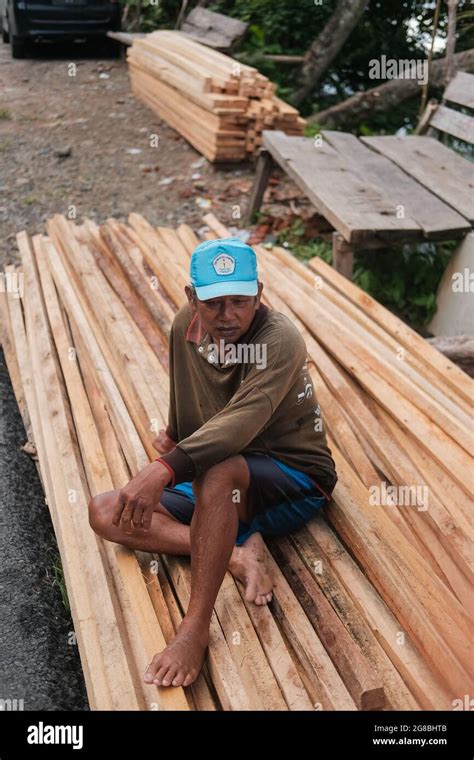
(380, 191)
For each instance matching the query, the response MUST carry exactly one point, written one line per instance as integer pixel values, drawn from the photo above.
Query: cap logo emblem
(224, 264)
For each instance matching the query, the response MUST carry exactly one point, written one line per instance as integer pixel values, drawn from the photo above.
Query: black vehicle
(23, 20)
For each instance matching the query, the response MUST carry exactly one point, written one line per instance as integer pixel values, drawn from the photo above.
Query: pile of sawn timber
(372, 603)
(219, 105)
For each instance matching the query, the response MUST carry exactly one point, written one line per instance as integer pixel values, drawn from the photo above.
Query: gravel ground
(74, 140)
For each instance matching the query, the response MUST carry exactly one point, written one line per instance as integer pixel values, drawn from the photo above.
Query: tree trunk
(451, 40)
(354, 110)
(327, 45)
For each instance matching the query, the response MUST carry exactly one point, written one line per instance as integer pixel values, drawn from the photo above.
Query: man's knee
(101, 509)
(232, 472)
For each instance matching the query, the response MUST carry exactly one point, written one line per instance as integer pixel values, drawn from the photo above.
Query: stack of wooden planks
(373, 600)
(219, 105)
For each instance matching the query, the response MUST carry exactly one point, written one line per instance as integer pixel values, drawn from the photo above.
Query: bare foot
(247, 563)
(180, 662)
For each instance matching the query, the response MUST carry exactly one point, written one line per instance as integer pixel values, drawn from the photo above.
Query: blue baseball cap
(224, 267)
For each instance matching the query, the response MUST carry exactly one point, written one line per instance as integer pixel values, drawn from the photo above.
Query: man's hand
(163, 443)
(137, 500)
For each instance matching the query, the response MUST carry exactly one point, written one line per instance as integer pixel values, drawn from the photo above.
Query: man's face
(226, 317)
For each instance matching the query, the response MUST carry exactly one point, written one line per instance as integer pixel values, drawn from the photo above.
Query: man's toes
(190, 677)
(170, 675)
(158, 679)
(179, 678)
(152, 668)
(269, 596)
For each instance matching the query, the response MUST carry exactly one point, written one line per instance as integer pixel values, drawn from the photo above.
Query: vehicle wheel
(18, 47)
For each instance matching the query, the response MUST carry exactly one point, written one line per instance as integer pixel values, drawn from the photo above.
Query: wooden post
(342, 255)
(262, 175)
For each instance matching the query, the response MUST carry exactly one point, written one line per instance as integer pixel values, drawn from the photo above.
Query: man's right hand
(139, 497)
(163, 443)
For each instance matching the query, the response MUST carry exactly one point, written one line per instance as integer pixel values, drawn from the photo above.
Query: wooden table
(374, 191)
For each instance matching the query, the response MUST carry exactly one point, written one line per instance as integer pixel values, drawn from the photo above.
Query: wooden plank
(432, 360)
(357, 209)
(366, 691)
(127, 38)
(8, 316)
(113, 673)
(128, 295)
(322, 681)
(119, 414)
(140, 391)
(244, 645)
(397, 693)
(385, 360)
(381, 322)
(380, 341)
(177, 115)
(454, 123)
(437, 220)
(379, 617)
(434, 620)
(159, 258)
(213, 29)
(277, 653)
(432, 164)
(262, 175)
(460, 90)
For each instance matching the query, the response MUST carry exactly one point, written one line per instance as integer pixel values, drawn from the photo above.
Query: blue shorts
(281, 499)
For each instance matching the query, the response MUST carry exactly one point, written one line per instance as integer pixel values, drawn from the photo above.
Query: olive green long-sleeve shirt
(253, 396)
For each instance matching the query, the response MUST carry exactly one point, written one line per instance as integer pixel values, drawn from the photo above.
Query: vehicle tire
(18, 47)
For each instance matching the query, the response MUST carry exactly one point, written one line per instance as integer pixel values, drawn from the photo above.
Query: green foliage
(56, 577)
(148, 15)
(404, 279)
(293, 237)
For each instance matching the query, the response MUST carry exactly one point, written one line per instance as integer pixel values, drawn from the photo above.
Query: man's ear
(259, 294)
(191, 296)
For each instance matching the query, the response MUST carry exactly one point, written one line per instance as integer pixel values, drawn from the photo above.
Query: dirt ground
(74, 138)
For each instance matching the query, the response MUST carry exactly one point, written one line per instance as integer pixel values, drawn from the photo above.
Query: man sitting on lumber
(244, 453)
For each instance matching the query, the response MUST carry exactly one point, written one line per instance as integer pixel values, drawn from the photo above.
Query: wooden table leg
(262, 175)
(342, 255)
